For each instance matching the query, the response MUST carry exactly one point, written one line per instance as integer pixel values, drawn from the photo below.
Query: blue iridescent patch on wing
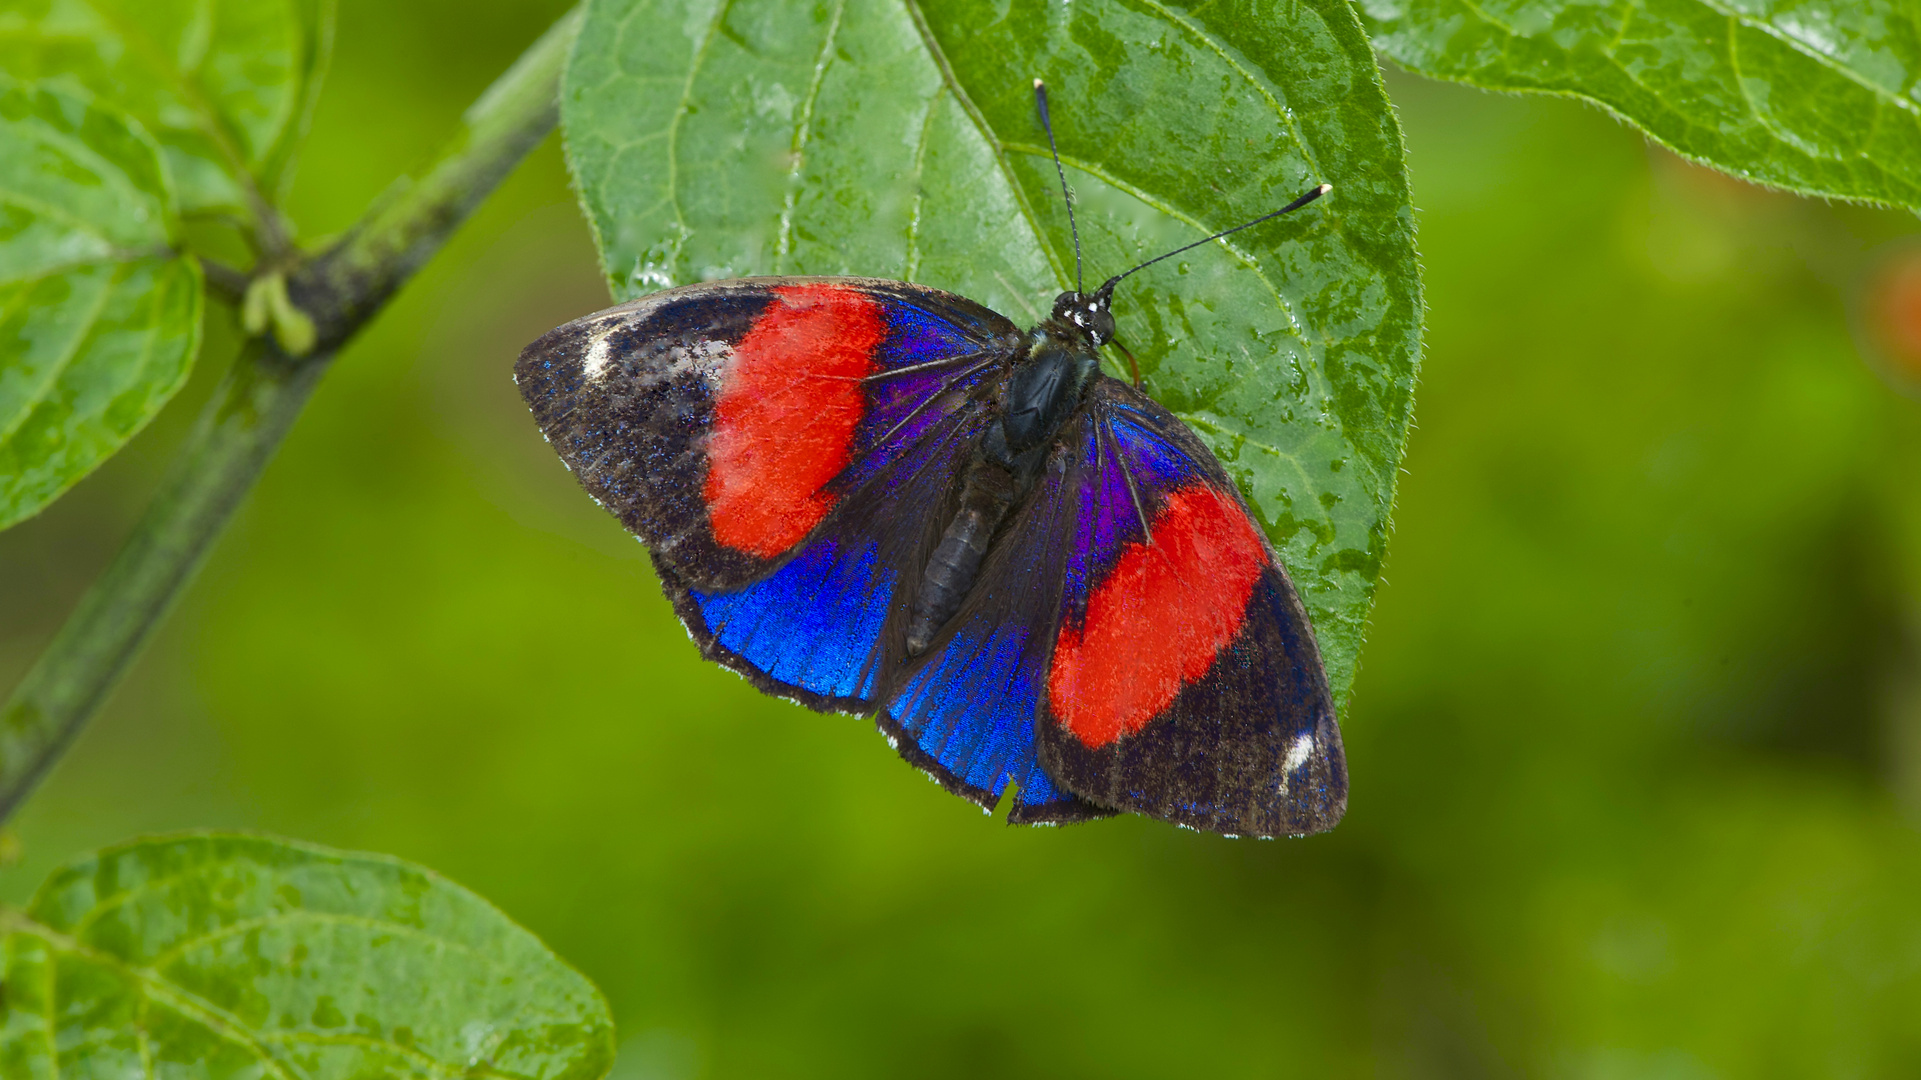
(914, 336)
(813, 623)
(972, 712)
(1154, 459)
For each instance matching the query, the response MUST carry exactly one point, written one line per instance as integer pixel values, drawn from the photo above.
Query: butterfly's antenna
(1108, 288)
(1040, 97)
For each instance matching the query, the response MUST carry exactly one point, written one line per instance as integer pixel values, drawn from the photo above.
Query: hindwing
(1184, 681)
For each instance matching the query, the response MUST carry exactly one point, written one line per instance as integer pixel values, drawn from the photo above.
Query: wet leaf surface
(224, 955)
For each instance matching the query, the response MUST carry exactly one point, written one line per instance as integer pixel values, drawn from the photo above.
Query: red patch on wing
(1158, 619)
(789, 403)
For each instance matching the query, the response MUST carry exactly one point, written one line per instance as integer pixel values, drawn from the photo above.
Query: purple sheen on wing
(1108, 522)
(1129, 448)
(915, 337)
(889, 401)
(1156, 463)
(920, 445)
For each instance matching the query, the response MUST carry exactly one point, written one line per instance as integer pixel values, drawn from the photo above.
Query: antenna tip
(1038, 84)
(1325, 188)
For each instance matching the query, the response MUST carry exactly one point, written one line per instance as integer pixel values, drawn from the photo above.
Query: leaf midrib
(938, 55)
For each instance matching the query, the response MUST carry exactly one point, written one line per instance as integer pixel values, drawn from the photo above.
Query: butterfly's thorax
(1050, 378)
(1047, 386)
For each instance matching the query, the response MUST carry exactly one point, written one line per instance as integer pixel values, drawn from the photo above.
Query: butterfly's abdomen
(988, 493)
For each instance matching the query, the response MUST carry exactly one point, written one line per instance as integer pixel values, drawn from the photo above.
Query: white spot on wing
(701, 360)
(1299, 752)
(596, 357)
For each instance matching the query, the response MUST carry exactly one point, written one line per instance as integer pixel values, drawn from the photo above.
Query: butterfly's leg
(1133, 365)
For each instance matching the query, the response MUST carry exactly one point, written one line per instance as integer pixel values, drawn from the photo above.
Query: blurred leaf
(1816, 96)
(226, 86)
(714, 140)
(99, 319)
(225, 955)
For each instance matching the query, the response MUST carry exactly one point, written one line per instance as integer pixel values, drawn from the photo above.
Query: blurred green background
(1636, 745)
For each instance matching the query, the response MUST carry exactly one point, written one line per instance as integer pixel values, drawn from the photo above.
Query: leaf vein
(150, 985)
(987, 133)
(1250, 262)
(1621, 33)
(52, 1014)
(680, 110)
(211, 122)
(803, 130)
(163, 959)
(1260, 85)
(414, 1054)
(920, 188)
(83, 330)
(1812, 53)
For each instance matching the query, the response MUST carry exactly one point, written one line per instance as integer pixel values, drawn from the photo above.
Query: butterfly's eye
(1099, 324)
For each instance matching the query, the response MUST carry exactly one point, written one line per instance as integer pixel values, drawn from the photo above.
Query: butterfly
(875, 497)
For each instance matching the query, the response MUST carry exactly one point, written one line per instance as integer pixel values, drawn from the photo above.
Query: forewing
(724, 423)
(1183, 681)
(964, 712)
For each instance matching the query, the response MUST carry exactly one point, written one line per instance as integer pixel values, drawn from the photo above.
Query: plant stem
(340, 289)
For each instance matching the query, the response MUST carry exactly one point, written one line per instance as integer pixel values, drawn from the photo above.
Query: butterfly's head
(1089, 312)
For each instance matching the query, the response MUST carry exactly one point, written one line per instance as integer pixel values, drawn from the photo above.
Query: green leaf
(878, 137)
(99, 319)
(241, 956)
(1817, 96)
(226, 86)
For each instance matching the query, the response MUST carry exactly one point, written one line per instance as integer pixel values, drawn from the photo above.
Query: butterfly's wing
(964, 711)
(816, 628)
(1183, 680)
(784, 447)
(723, 423)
